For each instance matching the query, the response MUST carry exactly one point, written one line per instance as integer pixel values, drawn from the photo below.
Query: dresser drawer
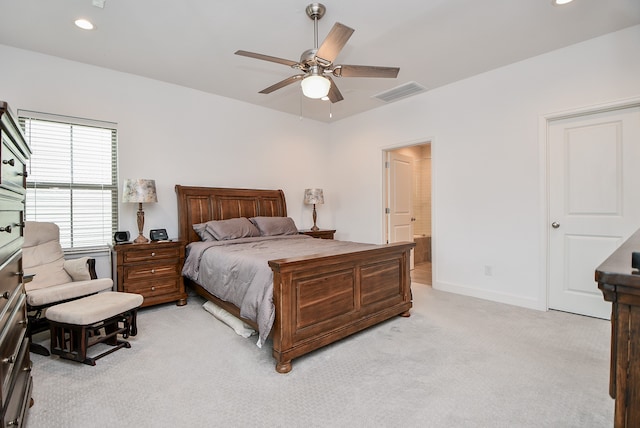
(150, 271)
(11, 338)
(13, 167)
(150, 254)
(20, 391)
(10, 287)
(10, 230)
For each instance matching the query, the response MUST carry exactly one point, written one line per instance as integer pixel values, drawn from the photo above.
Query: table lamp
(314, 196)
(139, 190)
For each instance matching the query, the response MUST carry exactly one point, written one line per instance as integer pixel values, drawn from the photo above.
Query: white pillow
(236, 324)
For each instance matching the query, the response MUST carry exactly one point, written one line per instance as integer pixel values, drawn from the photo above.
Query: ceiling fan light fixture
(315, 86)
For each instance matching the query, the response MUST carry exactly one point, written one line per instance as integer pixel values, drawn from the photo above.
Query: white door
(594, 202)
(400, 199)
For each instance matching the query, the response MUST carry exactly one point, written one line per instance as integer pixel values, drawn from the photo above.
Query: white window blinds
(72, 177)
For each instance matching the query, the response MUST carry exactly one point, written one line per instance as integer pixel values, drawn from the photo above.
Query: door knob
(555, 225)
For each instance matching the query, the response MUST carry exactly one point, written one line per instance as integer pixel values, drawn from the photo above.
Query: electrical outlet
(488, 270)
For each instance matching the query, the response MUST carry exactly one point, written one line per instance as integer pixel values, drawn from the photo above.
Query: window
(72, 177)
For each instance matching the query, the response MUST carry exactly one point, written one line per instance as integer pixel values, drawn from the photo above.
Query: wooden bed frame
(318, 299)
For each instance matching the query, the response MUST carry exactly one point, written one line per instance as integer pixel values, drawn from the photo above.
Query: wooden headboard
(202, 204)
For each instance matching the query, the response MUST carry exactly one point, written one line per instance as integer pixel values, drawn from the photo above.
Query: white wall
(173, 134)
(487, 168)
(488, 193)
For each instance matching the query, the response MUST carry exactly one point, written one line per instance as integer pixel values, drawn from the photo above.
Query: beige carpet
(456, 362)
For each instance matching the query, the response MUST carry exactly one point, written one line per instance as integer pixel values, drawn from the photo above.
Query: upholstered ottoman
(72, 323)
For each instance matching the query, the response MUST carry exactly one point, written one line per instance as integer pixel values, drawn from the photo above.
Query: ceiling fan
(317, 64)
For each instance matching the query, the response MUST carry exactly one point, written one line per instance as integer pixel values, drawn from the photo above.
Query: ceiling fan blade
(267, 58)
(365, 71)
(334, 42)
(282, 84)
(334, 93)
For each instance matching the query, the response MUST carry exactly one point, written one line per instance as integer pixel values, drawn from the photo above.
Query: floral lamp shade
(313, 196)
(139, 190)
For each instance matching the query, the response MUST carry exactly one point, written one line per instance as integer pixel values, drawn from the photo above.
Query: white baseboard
(509, 299)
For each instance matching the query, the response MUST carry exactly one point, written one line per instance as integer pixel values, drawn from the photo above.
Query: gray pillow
(232, 228)
(273, 226)
(201, 230)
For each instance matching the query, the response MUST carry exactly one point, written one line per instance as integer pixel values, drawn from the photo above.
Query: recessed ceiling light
(84, 24)
(560, 2)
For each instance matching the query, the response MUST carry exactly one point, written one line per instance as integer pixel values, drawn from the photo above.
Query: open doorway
(407, 202)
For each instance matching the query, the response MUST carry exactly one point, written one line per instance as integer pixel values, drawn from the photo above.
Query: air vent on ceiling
(402, 91)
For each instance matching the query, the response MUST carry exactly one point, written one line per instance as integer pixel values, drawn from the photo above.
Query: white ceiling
(192, 42)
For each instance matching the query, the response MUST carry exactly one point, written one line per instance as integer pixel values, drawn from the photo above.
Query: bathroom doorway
(420, 196)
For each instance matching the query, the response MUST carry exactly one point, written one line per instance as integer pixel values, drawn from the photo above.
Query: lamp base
(140, 240)
(315, 217)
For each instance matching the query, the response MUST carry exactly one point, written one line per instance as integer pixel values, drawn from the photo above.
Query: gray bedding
(237, 271)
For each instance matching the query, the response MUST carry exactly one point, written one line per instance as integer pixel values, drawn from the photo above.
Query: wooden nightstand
(322, 233)
(153, 270)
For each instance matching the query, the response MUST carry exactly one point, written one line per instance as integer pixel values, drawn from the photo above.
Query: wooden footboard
(324, 298)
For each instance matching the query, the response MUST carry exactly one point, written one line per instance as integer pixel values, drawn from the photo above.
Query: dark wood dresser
(620, 285)
(15, 363)
(153, 270)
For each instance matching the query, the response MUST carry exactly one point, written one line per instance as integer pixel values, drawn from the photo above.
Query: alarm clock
(158, 235)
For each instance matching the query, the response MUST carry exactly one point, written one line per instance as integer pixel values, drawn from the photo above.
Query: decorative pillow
(201, 230)
(273, 226)
(232, 228)
(77, 269)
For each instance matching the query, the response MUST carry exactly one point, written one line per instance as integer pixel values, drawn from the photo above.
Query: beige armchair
(54, 279)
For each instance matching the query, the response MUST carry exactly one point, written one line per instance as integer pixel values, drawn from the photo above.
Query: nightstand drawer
(150, 254)
(154, 288)
(149, 271)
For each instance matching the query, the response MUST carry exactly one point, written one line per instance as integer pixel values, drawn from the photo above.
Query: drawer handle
(6, 295)
(14, 422)
(6, 229)
(153, 288)
(153, 271)
(9, 360)
(22, 322)
(23, 174)
(153, 254)
(11, 162)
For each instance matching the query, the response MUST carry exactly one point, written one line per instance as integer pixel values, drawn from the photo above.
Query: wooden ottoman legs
(71, 341)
